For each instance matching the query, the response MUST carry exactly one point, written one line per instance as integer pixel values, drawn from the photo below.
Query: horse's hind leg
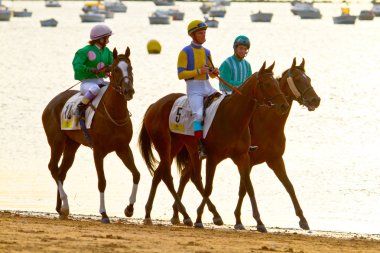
(99, 158)
(56, 150)
(70, 149)
(127, 157)
(185, 177)
(278, 166)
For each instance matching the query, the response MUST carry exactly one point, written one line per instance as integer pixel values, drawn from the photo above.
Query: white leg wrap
(102, 207)
(63, 195)
(132, 198)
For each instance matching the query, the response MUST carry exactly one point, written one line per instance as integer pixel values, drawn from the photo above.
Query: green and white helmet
(242, 40)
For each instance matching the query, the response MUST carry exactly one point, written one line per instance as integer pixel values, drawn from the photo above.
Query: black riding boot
(201, 149)
(79, 112)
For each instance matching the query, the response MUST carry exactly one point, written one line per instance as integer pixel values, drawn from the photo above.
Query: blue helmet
(242, 40)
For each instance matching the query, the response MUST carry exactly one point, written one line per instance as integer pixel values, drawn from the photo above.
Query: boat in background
(52, 3)
(366, 15)
(115, 6)
(172, 12)
(345, 18)
(5, 13)
(49, 22)
(159, 18)
(217, 11)
(164, 2)
(261, 17)
(376, 9)
(22, 14)
(310, 14)
(97, 7)
(205, 7)
(212, 23)
(302, 6)
(92, 17)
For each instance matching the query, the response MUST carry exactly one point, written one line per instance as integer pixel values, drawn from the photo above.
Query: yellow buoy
(154, 47)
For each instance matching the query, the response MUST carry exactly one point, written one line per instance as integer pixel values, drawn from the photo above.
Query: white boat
(376, 9)
(212, 23)
(302, 7)
(92, 17)
(22, 14)
(344, 19)
(49, 22)
(366, 15)
(217, 11)
(314, 14)
(205, 7)
(52, 3)
(115, 6)
(164, 2)
(174, 13)
(222, 2)
(159, 18)
(98, 8)
(261, 17)
(5, 13)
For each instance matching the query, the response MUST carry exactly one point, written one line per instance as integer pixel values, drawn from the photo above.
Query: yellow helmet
(196, 25)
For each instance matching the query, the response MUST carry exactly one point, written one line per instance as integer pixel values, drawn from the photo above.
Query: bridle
(128, 78)
(267, 102)
(299, 95)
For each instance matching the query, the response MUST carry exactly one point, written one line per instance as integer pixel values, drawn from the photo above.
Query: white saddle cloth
(181, 120)
(70, 106)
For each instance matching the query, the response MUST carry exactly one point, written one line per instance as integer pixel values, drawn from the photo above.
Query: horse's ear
(114, 53)
(302, 66)
(262, 69)
(294, 63)
(127, 52)
(271, 67)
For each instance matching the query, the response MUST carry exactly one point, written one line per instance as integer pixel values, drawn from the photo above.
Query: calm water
(332, 154)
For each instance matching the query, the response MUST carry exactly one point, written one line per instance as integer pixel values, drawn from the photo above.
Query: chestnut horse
(267, 132)
(228, 136)
(111, 130)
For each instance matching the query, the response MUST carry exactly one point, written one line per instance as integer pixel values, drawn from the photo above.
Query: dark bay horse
(111, 130)
(228, 137)
(267, 132)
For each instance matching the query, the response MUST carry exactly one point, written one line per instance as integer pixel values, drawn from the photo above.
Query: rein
(267, 102)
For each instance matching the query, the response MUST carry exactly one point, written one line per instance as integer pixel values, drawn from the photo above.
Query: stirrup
(253, 148)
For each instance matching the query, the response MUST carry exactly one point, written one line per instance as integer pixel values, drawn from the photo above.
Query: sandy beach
(45, 233)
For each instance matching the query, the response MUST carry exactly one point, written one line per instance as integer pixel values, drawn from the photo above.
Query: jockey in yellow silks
(193, 67)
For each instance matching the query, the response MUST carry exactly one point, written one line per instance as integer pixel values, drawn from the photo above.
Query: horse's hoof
(188, 222)
(304, 225)
(148, 221)
(218, 221)
(239, 227)
(105, 220)
(64, 211)
(175, 221)
(128, 211)
(261, 228)
(198, 225)
(63, 217)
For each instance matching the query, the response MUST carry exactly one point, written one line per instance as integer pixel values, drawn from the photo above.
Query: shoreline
(208, 226)
(44, 232)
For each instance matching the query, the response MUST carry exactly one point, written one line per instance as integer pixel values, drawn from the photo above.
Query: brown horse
(111, 130)
(228, 137)
(267, 132)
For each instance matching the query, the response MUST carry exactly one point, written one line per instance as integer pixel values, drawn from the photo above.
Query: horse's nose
(316, 101)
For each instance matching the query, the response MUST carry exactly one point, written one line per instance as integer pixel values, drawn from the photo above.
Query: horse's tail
(182, 159)
(145, 145)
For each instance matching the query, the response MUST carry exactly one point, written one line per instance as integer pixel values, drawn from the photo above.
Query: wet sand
(44, 232)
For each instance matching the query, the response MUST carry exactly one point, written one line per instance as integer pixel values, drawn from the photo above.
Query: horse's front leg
(98, 158)
(244, 169)
(210, 173)
(278, 166)
(127, 157)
